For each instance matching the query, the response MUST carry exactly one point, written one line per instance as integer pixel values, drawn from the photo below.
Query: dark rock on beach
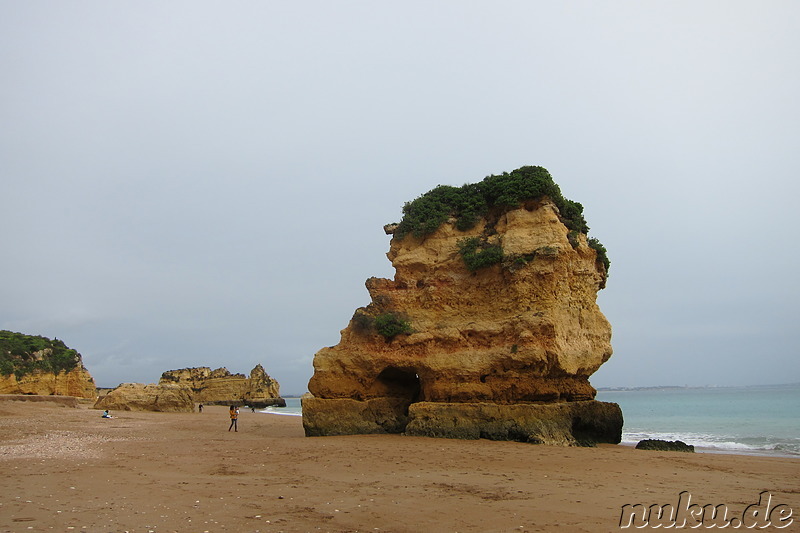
(665, 445)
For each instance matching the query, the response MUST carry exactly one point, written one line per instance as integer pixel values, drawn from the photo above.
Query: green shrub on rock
(602, 254)
(478, 253)
(390, 325)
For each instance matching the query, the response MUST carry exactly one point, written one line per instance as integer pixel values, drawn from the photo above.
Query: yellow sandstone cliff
(502, 352)
(170, 397)
(76, 382)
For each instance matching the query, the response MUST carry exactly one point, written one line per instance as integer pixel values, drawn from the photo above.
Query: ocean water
(752, 420)
(292, 408)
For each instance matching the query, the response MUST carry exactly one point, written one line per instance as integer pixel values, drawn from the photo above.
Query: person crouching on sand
(106, 414)
(234, 418)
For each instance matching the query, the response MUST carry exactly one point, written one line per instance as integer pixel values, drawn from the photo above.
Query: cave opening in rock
(401, 383)
(402, 387)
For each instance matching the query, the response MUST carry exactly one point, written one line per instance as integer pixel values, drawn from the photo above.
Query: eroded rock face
(507, 342)
(76, 382)
(170, 397)
(220, 387)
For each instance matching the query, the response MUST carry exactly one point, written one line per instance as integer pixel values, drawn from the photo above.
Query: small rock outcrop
(665, 445)
(37, 365)
(490, 327)
(220, 387)
(138, 397)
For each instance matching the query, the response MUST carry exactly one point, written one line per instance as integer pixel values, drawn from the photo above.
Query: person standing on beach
(234, 418)
(200, 408)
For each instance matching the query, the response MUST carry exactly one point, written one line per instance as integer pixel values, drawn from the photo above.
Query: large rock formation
(220, 387)
(37, 365)
(486, 331)
(170, 397)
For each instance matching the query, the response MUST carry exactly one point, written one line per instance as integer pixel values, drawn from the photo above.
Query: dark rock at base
(344, 416)
(665, 445)
(583, 423)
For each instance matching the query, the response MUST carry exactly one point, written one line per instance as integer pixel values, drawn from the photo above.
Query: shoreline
(721, 451)
(162, 472)
(699, 448)
(631, 444)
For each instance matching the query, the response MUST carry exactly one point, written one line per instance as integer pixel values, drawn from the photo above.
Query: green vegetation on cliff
(387, 324)
(22, 354)
(468, 203)
(602, 253)
(478, 253)
(471, 201)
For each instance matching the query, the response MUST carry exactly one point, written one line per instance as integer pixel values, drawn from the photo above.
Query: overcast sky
(195, 183)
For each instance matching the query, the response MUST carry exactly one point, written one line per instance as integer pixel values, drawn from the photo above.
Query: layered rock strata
(220, 387)
(169, 397)
(76, 382)
(503, 351)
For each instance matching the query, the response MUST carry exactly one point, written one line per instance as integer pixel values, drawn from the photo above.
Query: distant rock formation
(37, 365)
(138, 397)
(220, 387)
(490, 327)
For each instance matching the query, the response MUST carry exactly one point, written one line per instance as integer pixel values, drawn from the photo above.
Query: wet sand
(67, 469)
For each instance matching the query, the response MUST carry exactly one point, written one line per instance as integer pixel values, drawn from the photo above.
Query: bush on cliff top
(506, 191)
(17, 355)
(469, 202)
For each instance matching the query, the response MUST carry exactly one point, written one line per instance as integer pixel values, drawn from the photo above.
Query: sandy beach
(67, 469)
